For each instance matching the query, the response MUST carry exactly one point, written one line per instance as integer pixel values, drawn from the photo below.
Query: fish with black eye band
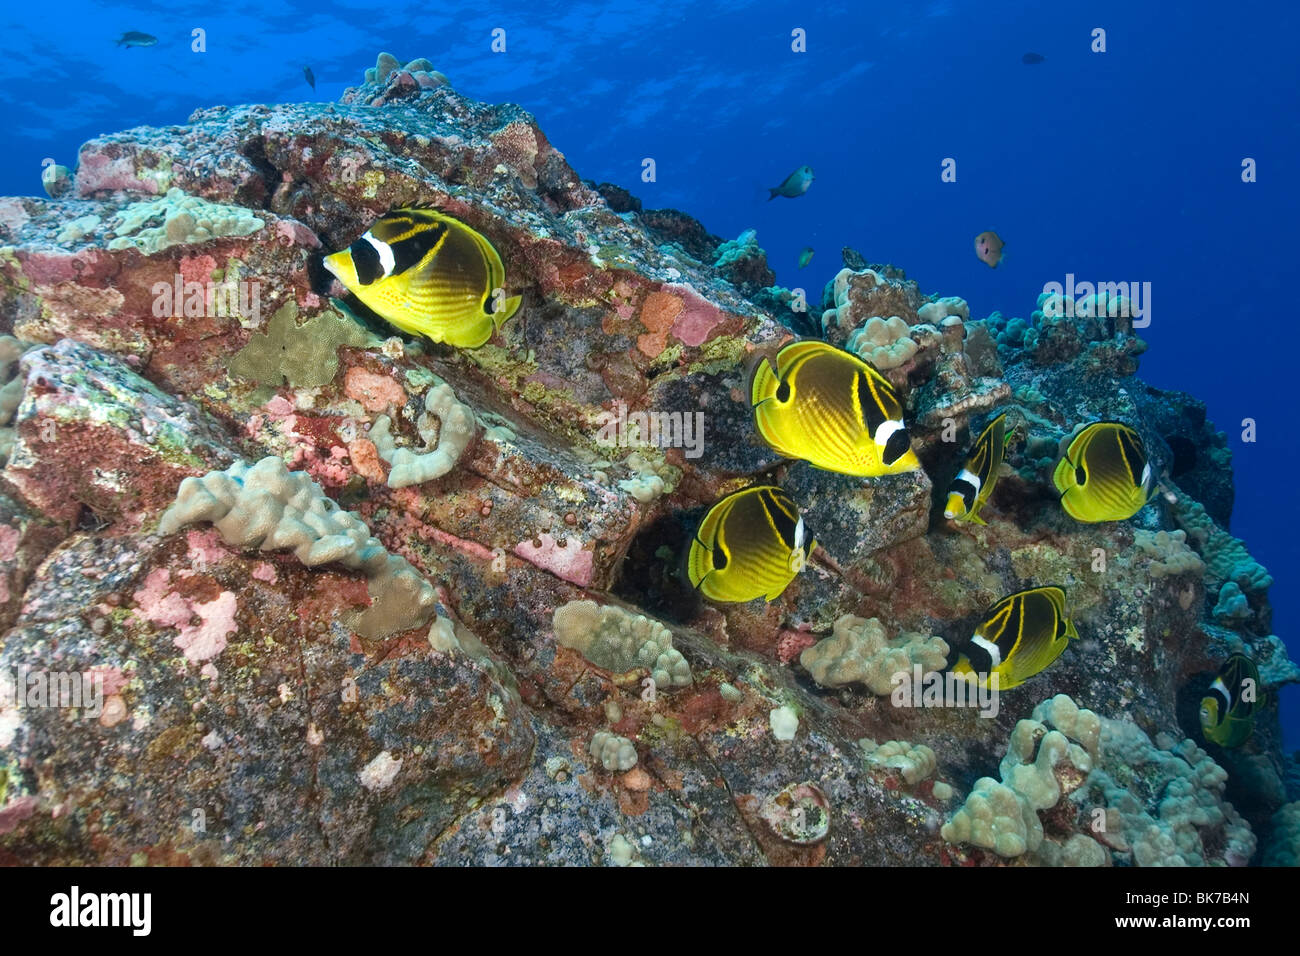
(429, 275)
(832, 410)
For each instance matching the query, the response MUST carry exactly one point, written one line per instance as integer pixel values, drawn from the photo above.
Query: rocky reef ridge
(264, 700)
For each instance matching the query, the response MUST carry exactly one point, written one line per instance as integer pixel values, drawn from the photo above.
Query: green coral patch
(302, 355)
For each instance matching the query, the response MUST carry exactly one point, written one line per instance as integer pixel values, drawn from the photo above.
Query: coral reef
(885, 343)
(1151, 804)
(267, 507)
(455, 430)
(1169, 553)
(612, 751)
(480, 587)
(743, 263)
(859, 652)
(11, 391)
(182, 220)
(914, 762)
(1164, 802)
(1284, 847)
(299, 355)
(620, 641)
(1048, 756)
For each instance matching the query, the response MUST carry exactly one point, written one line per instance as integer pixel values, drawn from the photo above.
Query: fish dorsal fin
(797, 352)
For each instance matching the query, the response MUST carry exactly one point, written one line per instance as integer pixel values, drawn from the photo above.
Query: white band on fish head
(995, 656)
(970, 479)
(886, 431)
(384, 251)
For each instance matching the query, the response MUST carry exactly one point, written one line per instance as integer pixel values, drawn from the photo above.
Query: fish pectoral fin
(1063, 476)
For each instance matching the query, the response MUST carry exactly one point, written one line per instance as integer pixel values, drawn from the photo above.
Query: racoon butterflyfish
(1104, 474)
(429, 275)
(973, 486)
(1228, 708)
(832, 410)
(751, 544)
(1019, 637)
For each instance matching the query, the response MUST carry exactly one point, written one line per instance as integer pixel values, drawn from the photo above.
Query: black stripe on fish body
(978, 463)
(872, 414)
(898, 445)
(393, 227)
(1130, 446)
(1013, 636)
(1061, 626)
(412, 249)
(1237, 671)
(983, 462)
(781, 520)
(1225, 698)
(366, 262)
(961, 486)
(1039, 614)
(720, 559)
(980, 660)
(1080, 475)
(783, 392)
(890, 406)
(1002, 627)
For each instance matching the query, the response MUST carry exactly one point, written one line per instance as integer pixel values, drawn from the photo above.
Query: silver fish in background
(805, 256)
(135, 38)
(795, 185)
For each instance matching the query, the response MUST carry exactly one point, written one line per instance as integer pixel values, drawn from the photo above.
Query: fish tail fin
(772, 193)
(1063, 476)
(511, 307)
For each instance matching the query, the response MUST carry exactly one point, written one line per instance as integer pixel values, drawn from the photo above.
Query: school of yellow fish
(431, 275)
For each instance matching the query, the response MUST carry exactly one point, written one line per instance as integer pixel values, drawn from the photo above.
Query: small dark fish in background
(310, 77)
(796, 184)
(1029, 59)
(136, 38)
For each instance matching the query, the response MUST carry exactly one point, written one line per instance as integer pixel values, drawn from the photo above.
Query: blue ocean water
(1117, 166)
